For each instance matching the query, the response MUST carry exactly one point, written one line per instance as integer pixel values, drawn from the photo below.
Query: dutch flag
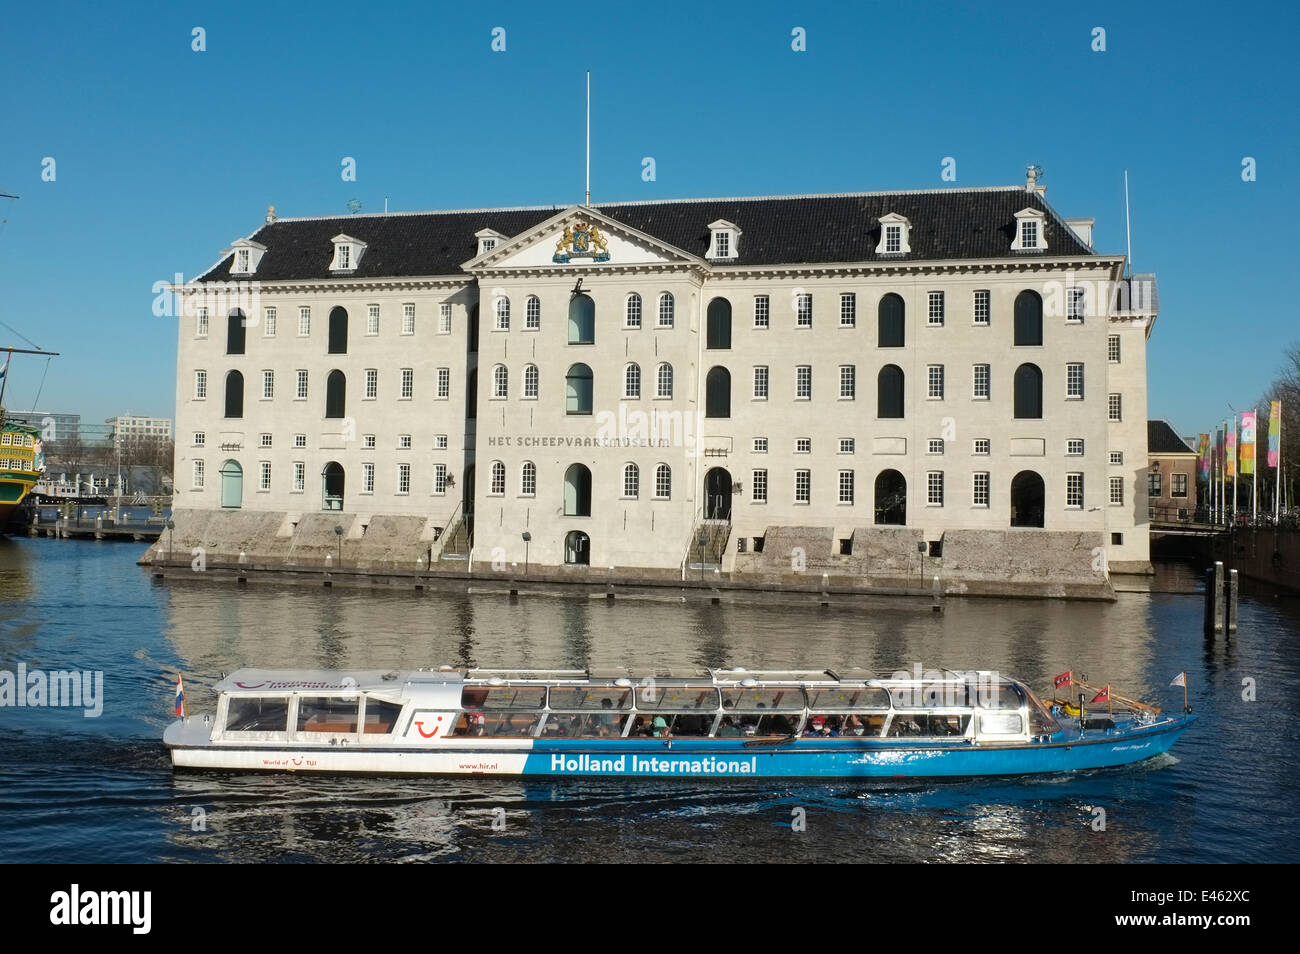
(180, 696)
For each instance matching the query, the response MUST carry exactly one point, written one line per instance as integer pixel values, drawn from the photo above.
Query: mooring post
(1214, 598)
(937, 605)
(1230, 609)
(609, 584)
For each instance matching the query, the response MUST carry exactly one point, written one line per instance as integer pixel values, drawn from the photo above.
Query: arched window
(718, 325)
(1028, 319)
(234, 394)
(631, 481)
(1027, 499)
(582, 319)
(717, 393)
(498, 487)
(632, 319)
(889, 391)
(577, 548)
(578, 390)
(503, 313)
(531, 378)
(500, 382)
(666, 310)
(336, 395)
(632, 381)
(577, 491)
(528, 479)
(235, 332)
(332, 481)
(232, 484)
(663, 482)
(891, 498)
(664, 381)
(338, 337)
(1028, 389)
(890, 322)
(533, 313)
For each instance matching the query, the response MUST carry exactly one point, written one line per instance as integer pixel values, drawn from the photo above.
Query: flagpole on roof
(588, 202)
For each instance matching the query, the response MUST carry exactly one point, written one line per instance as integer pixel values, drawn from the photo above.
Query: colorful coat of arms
(583, 240)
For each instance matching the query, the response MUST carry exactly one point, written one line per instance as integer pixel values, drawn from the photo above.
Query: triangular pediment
(581, 237)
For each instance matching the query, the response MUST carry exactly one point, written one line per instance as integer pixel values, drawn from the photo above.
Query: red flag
(1064, 679)
(1103, 696)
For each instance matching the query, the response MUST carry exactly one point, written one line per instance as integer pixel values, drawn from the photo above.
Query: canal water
(77, 789)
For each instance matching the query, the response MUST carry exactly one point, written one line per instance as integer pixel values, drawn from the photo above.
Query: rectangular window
(264, 476)
(802, 486)
(439, 479)
(848, 310)
(198, 475)
(1112, 349)
(1178, 485)
(1074, 380)
(372, 320)
(934, 382)
(1117, 458)
(266, 440)
(367, 478)
(983, 446)
(372, 384)
(200, 439)
(1117, 491)
(981, 308)
(803, 310)
(1114, 407)
(404, 441)
(762, 311)
(403, 478)
(300, 440)
(934, 488)
(268, 385)
(1074, 491)
(301, 393)
(202, 323)
(934, 446)
(200, 385)
(979, 489)
(1029, 235)
(299, 477)
(846, 445)
(893, 238)
(803, 382)
(1074, 447)
(935, 314)
(1075, 305)
(408, 383)
(722, 243)
(444, 383)
(1154, 485)
(760, 445)
(848, 382)
(268, 322)
(345, 257)
(846, 486)
(980, 382)
(803, 445)
(408, 319)
(367, 441)
(444, 319)
(760, 383)
(304, 320)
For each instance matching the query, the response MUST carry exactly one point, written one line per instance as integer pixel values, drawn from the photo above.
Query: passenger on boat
(853, 726)
(728, 728)
(661, 728)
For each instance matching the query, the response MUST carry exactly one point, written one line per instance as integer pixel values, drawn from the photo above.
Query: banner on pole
(1248, 442)
(1230, 451)
(1203, 448)
(1274, 432)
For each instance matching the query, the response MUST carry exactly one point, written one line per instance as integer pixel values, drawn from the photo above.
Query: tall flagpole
(588, 137)
(1277, 471)
(1254, 470)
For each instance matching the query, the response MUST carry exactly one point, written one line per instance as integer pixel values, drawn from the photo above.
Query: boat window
(866, 697)
(1001, 723)
(1040, 720)
(505, 697)
(917, 724)
(381, 717)
(677, 698)
(931, 695)
(257, 714)
(846, 724)
(668, 725)
(760, 725)
(752, 700)
(497, 724)
(1004, 695)
(594, 726)
(327, 714)
(590, 697)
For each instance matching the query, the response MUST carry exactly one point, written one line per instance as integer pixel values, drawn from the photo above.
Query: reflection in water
(103, 790)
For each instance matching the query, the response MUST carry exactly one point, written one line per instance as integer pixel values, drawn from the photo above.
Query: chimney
(270, 214)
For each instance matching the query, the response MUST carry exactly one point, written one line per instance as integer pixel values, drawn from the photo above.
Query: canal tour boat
(720, 723)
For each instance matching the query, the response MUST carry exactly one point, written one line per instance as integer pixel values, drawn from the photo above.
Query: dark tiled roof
(1163, 439)
(790, 230)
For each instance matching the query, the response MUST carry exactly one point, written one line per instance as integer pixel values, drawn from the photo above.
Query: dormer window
(488, 239)
(1031, 235)
(724, 239)
(247, 256)
(347, 253)
(895, 235)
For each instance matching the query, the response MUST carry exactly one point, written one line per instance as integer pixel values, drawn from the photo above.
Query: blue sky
(164, 155)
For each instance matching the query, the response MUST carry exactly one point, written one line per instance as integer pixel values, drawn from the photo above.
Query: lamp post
(171, 525)
(338, 532)
(528, 538)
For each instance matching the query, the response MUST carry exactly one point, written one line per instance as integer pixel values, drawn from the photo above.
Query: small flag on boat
(180, 696)
(1064, 679)
(1180, 680)
(1103, 696)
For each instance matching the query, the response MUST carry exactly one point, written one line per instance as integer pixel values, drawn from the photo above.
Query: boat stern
(187, 732)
